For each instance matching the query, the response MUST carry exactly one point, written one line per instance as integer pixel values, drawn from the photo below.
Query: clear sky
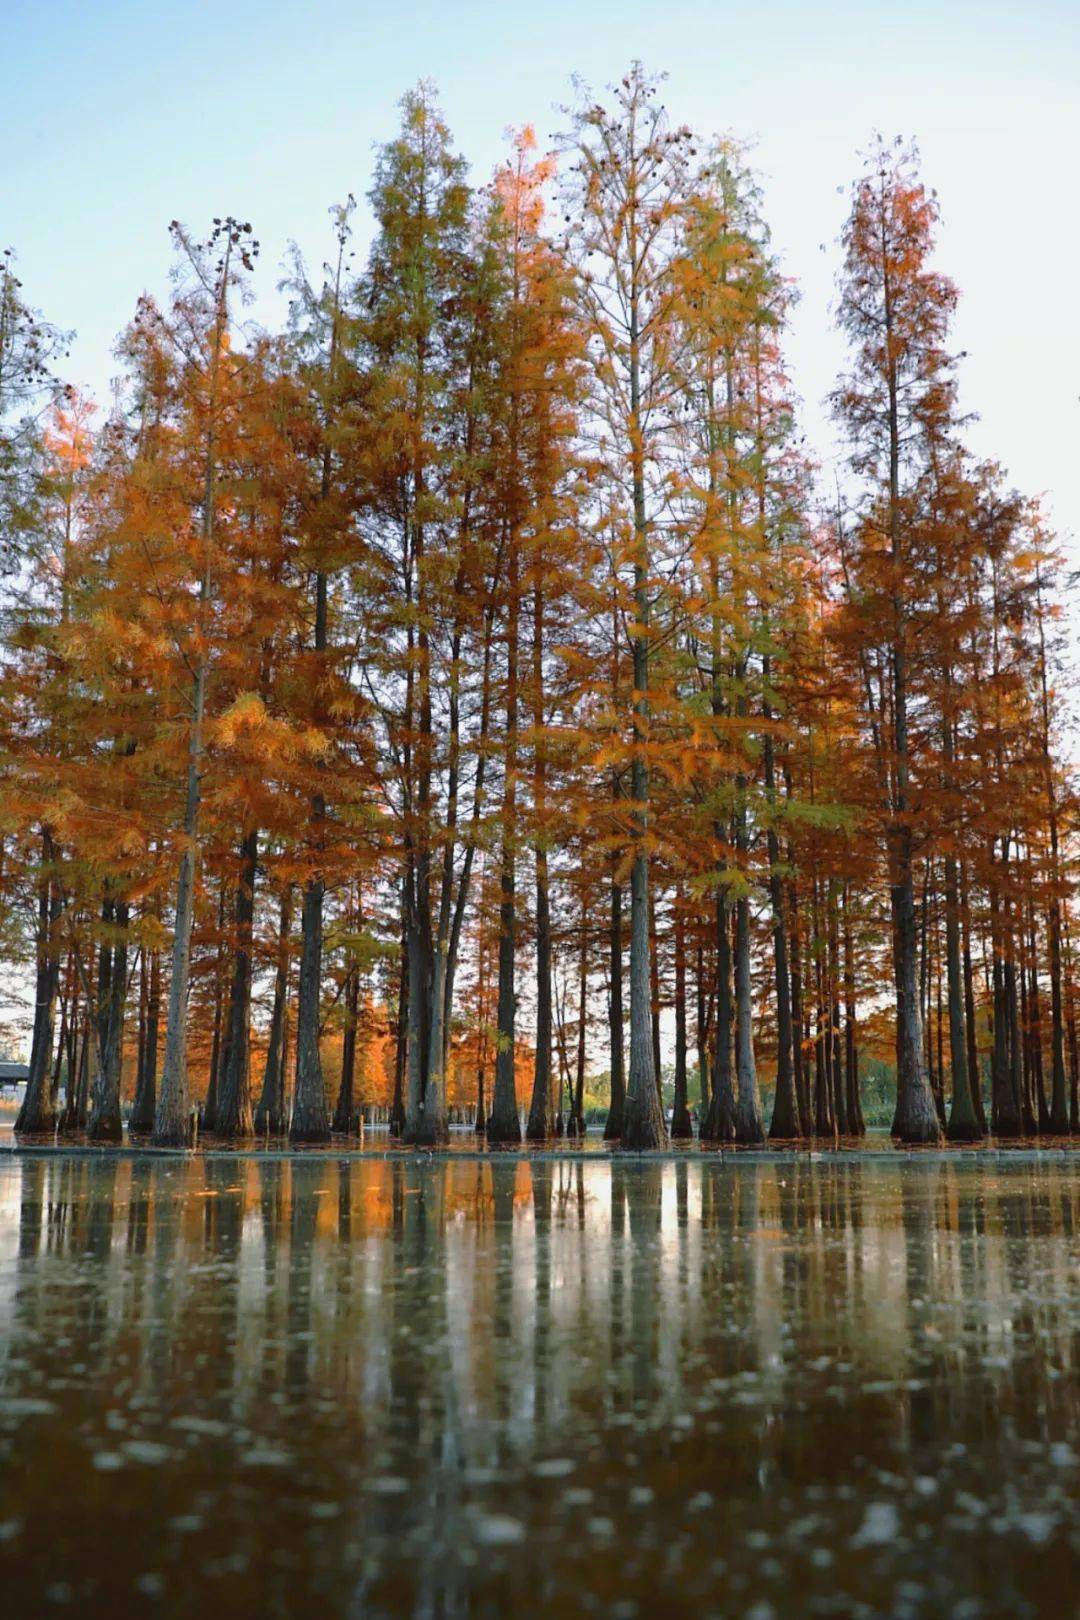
(122, 114)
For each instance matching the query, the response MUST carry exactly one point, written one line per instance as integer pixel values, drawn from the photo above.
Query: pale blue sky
(120, 115)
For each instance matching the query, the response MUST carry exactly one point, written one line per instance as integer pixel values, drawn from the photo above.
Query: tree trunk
(719, 1124)
(749, 1127)
(1005, 1116)
(614, 1125)
(963, 1121)
(1033, 1027)
(141, 1121)
(974, 1069)
(311, 1111)
(36, 1116)
(219, 1045)
(539, 1123)
(824, 1117)
(856, 1122)
(802, 1087)
(234, 1116)
(681, 1128)
(578, 1111)
(401, 1045)
(105, 1124)
(425, 1110)
(345, 1106)
(702, 1032)
(270, 1115)
(839, 1088)
(1016, 1050)
(786, 1122)
(916, 1113)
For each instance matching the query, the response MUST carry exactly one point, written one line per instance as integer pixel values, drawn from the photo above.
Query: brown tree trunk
(681, 1128)
(719, 1124)
(270, 1115)
(345, 1107)
(614, 1123)
(105, 1124)
(234, 1116)
(583, 966)
(36, 1116)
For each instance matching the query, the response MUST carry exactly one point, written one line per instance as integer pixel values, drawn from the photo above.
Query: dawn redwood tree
(1046, 614)
(516, 216)
(952, 535)
(895, 311)
(271, 1115)
(29, 350)
(79, 763)
(536, 380)
(729, 294)
(320, 341)
(427, 300)
(38, 682)
(260, 730)
(780, 485)
(625, 193)
(199, 333)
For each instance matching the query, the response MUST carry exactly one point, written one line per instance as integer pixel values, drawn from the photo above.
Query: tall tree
(199, 333)
(895, 310)
(626, 190)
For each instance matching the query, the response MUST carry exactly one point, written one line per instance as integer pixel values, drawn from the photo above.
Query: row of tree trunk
(78, 1036)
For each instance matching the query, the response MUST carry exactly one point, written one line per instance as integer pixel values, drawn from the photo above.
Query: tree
(626, 191)
(200, 335)
(327, 371)
(895, 311)
(536, 384)
(431, 291)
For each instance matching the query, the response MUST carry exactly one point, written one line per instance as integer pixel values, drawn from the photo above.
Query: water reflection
(397, 1387)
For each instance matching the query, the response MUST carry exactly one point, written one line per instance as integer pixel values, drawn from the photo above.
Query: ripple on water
(839, 1388)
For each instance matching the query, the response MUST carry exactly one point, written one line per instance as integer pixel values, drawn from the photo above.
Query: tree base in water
(643, 1124)
(105, 1130)
(912, 1132)
(171, 1137)
(964, 1130)
(36, 1124)
(239, 1133)
(642, 1139)
(309, 1134)
(427, 1130)
(784, 1126)
(503, 1133)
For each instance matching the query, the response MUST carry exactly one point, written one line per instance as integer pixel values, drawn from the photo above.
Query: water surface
(480, 1388)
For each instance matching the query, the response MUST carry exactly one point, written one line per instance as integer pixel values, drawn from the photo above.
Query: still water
(481, 1388)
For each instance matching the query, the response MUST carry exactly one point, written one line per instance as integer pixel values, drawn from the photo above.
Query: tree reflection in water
(479, 1387)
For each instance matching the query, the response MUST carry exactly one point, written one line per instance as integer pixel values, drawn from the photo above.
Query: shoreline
(1024, 1151)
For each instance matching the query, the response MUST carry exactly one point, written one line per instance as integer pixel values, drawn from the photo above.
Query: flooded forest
(539, 947)
(471, 701)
